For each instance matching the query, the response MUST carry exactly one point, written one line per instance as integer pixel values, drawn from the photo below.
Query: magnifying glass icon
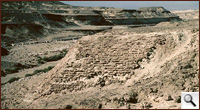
(188, 99)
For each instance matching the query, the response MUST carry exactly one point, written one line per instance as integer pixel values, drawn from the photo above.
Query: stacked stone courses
(102, 60)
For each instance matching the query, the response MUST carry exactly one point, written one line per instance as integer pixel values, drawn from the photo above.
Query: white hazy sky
(169, 5)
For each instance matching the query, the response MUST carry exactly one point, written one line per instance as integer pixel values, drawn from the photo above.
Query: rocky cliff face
(47, 16)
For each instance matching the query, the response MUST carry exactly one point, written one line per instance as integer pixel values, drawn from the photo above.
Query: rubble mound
(101, 60)
(106, 58)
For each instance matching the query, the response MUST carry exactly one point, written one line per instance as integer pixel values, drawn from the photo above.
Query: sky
(169, 5)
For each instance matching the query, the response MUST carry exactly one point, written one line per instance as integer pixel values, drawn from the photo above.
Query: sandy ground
(187, 14)
(28, 55)
(22, 73)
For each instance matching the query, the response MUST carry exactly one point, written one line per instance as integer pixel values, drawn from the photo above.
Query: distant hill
(32, 5)
(34, 19)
